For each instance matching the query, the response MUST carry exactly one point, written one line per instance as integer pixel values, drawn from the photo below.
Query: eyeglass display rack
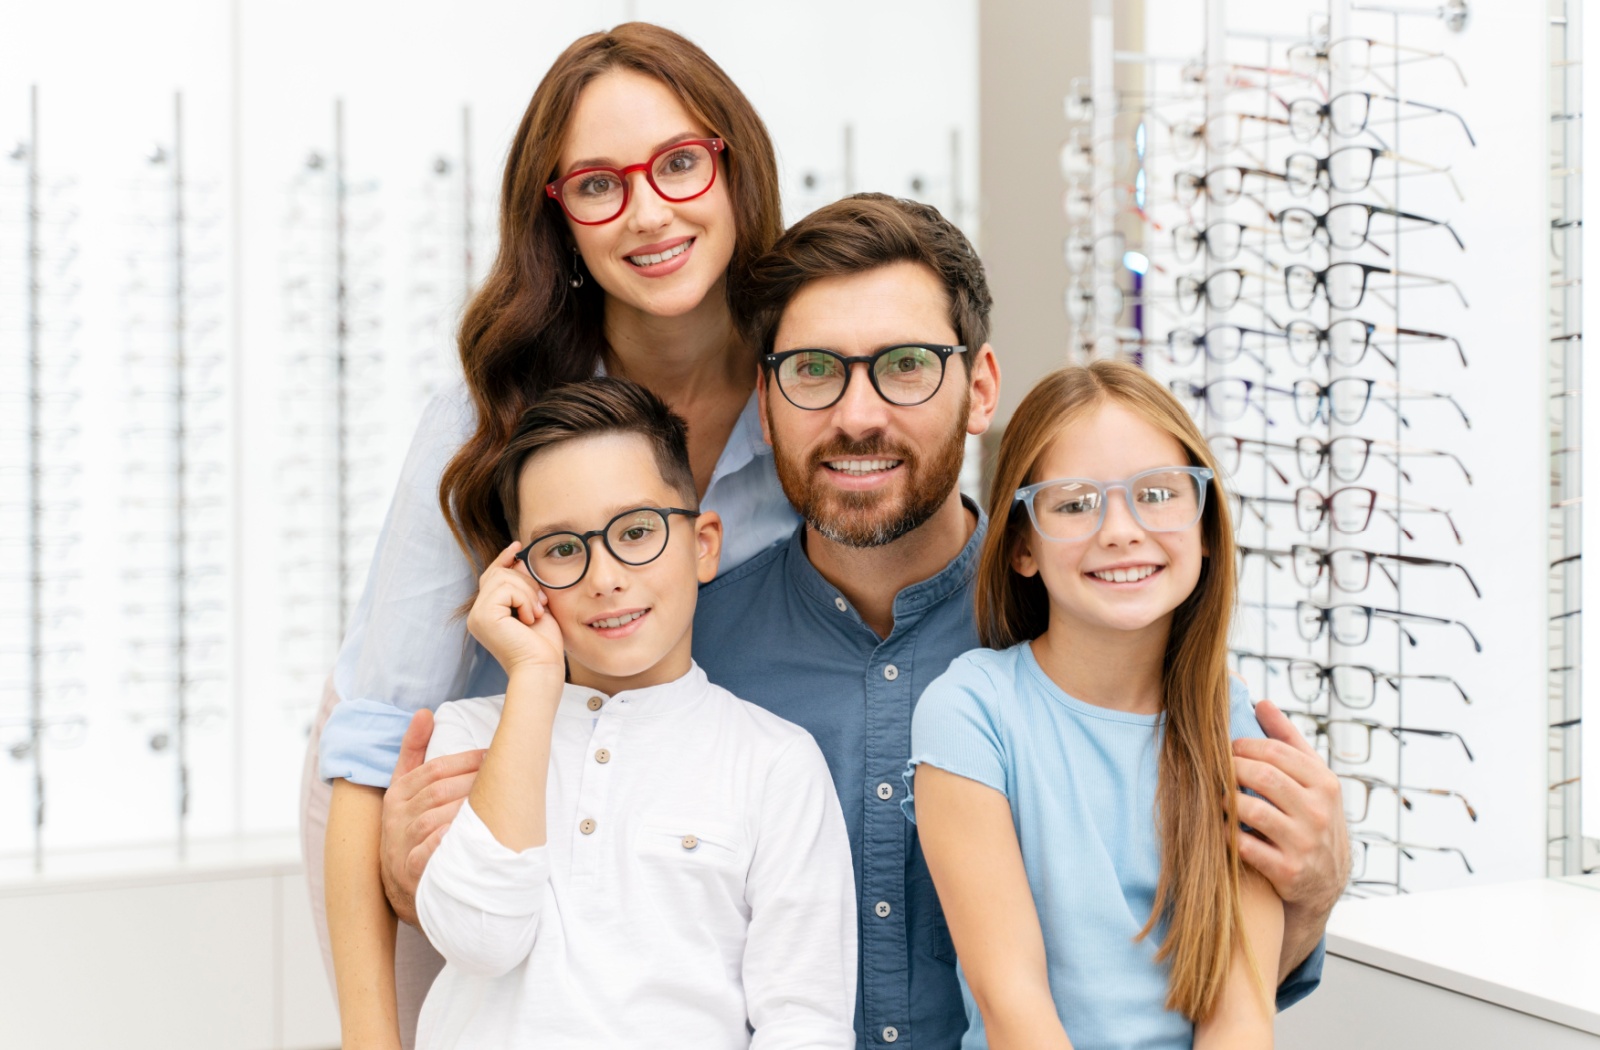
(442, 269)
(1570, 853)
(40, 693)
(175, 507)
(334, 411)
(1127, 123)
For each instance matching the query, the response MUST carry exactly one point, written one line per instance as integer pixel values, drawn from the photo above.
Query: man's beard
(872, 519)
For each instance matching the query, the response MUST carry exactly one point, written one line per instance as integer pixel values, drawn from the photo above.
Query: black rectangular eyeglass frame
(943, 351)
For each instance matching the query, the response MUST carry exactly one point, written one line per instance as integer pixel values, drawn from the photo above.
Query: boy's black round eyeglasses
(905, 374)
(558, 560)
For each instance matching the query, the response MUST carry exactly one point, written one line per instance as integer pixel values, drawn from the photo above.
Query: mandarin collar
(652, 701)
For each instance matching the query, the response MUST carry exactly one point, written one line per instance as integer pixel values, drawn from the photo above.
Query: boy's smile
(623, 626)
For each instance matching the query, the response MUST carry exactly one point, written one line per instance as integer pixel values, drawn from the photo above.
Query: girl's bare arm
(1243, 1019)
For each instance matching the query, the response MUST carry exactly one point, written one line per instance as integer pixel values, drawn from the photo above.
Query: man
(844, 626)
(840, 629)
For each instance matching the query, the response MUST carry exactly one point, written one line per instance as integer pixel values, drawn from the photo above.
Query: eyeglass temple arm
(1432, 109)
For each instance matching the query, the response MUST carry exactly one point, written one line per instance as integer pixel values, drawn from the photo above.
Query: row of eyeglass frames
(1238, 233)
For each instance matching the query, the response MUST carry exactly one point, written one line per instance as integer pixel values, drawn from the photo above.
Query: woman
(639, 181)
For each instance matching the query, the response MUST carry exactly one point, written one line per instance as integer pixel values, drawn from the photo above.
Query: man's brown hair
(857, 234)
(603, 405)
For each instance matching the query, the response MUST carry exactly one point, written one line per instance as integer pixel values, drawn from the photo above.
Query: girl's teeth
(651, 260)
(1125, 575)
(617, 621)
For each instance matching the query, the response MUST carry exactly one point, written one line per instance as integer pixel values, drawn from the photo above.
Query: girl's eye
(1156, 495)
(1081, 505)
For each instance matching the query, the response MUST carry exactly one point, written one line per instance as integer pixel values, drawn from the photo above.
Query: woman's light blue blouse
(1081, 781)
(406, 649)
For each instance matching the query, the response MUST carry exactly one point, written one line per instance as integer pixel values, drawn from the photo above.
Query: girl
(1074, 782)
(639, 181)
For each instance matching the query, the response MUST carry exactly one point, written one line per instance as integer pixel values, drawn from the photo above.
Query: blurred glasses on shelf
(1349, 510)
(1219, 290)
(1349, 740)
(1346, 341)
(1221, 343)
(1351, 58)
(1348, 569)
(1347, 456)
(1361, 841)
(1223, 399)
(1354, 686)
(1349, 113)
(1351, 624)
(1358, 789)
(1104, 253)
(1345, 400)
(1344, 284)
(1221, 240)
(1344, 226)
(1221, 185)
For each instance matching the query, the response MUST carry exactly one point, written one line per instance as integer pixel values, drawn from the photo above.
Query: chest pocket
(693, 867)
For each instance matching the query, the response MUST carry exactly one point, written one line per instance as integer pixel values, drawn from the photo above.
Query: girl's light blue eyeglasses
(1166, 499)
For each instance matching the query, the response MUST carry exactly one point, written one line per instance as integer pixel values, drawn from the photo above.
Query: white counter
(1496, 965)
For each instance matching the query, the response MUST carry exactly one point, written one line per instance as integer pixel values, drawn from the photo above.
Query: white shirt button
(690, 842)
(841, 604)
(886, 791)
(891, 672)
(602, 756)
(890, 1034)
(595, 702)
(586, 826)
(882, 908)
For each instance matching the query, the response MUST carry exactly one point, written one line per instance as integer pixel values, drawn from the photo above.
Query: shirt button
(891, 672)
(690, 842)
(595, 702)
(586, 826)
(602, 756)
(890, 1034)
(882, 908)
(841, 604)
(886, 791)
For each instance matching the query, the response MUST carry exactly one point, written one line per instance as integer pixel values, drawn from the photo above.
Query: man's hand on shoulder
(422, 800)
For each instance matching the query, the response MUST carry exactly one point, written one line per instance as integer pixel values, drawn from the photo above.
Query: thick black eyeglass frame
(773, 361)
(605, 537)
(1319, 225)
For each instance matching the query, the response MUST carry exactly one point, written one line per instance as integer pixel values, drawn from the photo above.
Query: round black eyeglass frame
(605, 537)
(774, 361)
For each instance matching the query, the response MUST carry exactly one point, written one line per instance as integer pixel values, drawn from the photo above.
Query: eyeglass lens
(633, 538)
(903, 375)
(1166, 501)
(677, 173)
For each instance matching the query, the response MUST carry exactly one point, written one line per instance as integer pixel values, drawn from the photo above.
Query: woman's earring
(576, 280)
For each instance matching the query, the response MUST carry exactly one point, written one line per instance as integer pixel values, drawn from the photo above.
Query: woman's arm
(361, 927)
(1243, 1018)
(972, 851)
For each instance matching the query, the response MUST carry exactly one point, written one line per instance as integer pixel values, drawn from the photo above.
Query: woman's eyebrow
(606, 162)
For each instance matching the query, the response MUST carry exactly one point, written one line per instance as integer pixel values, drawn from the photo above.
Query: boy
(644, 859)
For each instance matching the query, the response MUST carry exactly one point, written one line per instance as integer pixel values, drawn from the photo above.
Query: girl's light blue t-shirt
(1081, 781)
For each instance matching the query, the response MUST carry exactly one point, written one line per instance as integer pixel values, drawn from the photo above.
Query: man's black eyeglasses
(905, 374)
(558, 560)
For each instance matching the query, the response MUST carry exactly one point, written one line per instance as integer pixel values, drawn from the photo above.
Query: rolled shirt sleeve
(405, 647)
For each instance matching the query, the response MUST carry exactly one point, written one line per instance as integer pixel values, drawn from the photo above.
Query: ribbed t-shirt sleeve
(957, 727)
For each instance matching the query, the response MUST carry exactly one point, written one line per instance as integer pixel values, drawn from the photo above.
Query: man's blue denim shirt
(774, 632)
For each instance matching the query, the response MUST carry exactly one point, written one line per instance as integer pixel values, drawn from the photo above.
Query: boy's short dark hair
(603, 405)
(856, 234)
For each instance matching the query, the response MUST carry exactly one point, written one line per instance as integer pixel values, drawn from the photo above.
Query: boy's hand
(510, 619)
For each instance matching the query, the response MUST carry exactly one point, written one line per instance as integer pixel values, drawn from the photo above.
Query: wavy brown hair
(527, 330)
(1197, 896)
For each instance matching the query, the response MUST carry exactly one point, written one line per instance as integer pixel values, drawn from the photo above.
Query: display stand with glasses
(175, 507)
(333, 406)
(1247, 220)
(41, 694)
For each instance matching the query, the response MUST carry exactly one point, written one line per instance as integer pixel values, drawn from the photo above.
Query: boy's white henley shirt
(696, 884)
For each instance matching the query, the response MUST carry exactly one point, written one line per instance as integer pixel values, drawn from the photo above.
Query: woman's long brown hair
(1197, 896)
(527, 330)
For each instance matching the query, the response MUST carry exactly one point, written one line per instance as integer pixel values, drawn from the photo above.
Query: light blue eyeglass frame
(1025, 495)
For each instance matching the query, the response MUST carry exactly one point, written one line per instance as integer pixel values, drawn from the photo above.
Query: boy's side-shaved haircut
(853, 235)
(603, 405)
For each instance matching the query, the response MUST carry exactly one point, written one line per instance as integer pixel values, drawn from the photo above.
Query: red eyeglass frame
(714, 146)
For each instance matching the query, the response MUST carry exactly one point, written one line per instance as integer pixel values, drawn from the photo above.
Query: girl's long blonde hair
(1197, 896)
